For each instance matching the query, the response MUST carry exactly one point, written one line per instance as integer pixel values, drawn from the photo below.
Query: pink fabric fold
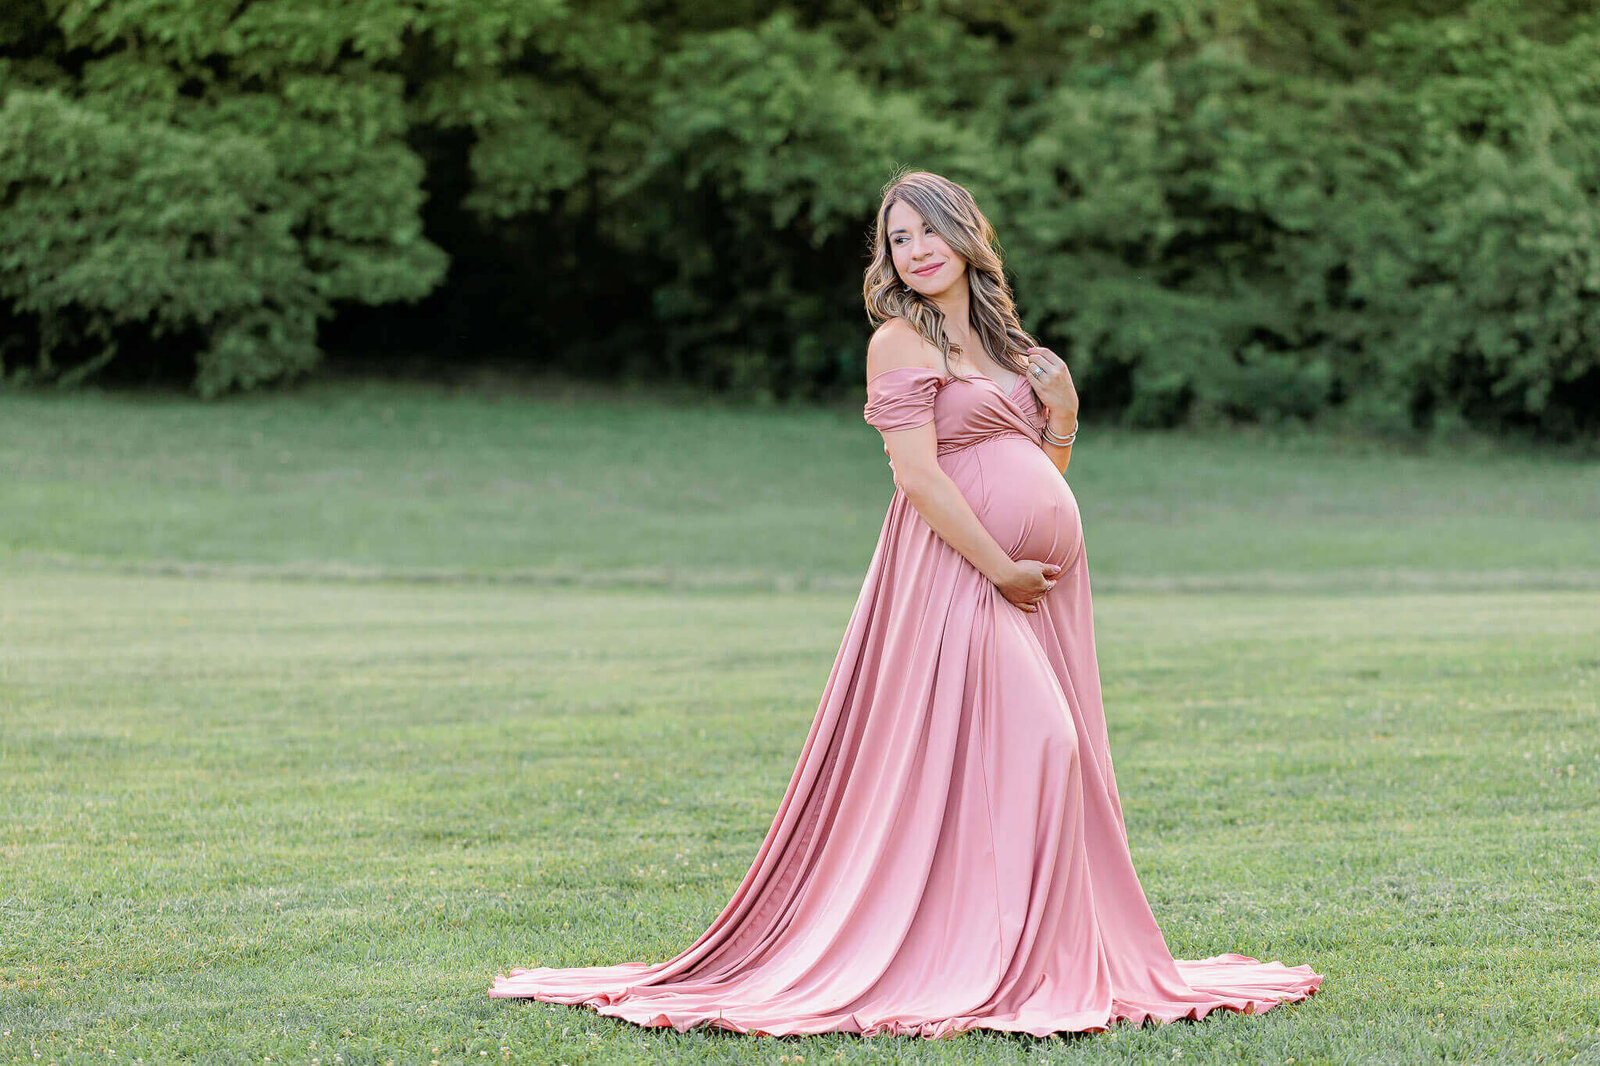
(902, 398)
(950, 852)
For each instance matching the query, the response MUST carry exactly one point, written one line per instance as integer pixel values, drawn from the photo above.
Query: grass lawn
(589, 487)
(312, 819)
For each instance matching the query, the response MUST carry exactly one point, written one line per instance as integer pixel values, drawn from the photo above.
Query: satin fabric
(950, 851)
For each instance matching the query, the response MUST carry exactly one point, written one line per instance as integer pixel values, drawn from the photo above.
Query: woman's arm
(1058, 398)
(913, 457)
(1061, 425)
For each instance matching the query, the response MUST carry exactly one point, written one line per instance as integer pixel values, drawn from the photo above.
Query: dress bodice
(963, 410)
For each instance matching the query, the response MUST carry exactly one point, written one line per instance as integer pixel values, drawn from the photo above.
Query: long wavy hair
(954, 216)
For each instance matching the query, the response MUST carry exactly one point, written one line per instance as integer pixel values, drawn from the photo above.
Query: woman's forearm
(1063, 424)
(947, 512)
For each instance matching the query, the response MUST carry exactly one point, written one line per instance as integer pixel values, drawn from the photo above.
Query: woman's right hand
(1026, 583)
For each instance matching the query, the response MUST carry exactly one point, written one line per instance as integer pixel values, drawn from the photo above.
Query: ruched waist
(948, 446)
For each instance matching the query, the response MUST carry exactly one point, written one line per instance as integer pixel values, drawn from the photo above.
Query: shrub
(106, 223)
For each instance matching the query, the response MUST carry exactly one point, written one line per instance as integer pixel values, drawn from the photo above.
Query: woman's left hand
(1053, 387)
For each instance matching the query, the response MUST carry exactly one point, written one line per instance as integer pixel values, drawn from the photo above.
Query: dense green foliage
(226, 179)
(1214, 210)
(137, 222)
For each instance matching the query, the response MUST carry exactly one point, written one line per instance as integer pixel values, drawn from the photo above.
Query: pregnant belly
(1020, 497)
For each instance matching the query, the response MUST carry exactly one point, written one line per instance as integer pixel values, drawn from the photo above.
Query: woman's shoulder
(896, 345)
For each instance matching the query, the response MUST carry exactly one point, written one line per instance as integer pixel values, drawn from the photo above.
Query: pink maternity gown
(950, 851)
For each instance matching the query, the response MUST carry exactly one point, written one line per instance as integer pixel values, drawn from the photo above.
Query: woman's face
(915, 247)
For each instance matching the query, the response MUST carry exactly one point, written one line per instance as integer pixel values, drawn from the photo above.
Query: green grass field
(317, 711)
(587, 486)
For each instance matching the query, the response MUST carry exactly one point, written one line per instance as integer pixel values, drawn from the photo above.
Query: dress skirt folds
(950, 852)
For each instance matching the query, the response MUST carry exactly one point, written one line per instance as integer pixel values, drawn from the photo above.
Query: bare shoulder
(896, 343)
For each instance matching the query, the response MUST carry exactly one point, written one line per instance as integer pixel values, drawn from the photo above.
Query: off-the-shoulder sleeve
(901, 398)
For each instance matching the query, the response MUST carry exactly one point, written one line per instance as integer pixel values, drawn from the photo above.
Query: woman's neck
(954, 304)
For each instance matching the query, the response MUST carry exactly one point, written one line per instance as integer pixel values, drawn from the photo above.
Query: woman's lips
(925, 271)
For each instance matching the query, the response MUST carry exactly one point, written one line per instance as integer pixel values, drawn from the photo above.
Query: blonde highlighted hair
(954, 216)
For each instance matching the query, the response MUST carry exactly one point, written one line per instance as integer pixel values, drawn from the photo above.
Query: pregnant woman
(950, 851)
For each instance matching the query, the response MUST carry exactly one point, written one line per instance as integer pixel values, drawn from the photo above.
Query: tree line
(1214, 210)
